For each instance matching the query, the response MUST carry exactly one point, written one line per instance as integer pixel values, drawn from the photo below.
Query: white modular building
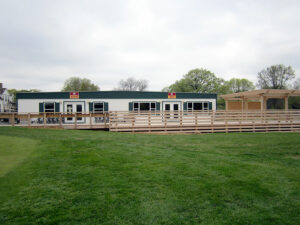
(104, 101)
(113, 101)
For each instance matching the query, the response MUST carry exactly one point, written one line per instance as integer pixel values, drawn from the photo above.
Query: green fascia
(114, 95)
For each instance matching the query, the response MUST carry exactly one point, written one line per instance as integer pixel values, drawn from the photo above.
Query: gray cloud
(42, 43)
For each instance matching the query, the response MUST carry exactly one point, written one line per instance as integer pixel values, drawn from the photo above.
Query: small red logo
(74, 94)
(171, 95)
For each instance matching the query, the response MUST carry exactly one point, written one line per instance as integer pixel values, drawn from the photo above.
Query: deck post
(181, 115)
(212, 118)
(291, 121)
(60, 120)
(45, 120)
(149, 121)
(76, 120)
(28, 120)
(133, 121)
(165, 121)
(226, 124)
(90, 120)
(12, 119)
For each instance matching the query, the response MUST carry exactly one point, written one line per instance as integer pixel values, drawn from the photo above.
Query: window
(98, 106)
(153, 106)
(136, 106)
(49, 107)
(167, 107)
(79, 110)
(197, 106)
(144, 106)
(70, 111)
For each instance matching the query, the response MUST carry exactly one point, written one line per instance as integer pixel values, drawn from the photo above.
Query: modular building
(104, 101)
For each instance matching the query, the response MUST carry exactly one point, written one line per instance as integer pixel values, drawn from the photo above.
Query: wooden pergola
(257, 99)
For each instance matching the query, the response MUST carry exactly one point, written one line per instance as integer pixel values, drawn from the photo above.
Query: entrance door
(73, 107)
(172, 109)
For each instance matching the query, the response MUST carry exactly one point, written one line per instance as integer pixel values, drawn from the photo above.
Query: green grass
(96, 177)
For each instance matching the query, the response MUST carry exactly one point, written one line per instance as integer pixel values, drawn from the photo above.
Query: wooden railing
(161, 121)
(56, 120)
(206, 121)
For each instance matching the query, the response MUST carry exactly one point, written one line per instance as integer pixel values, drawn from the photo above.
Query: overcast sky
(44, 42)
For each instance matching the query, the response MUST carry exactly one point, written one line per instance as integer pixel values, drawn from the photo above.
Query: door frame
(172, 116)
(179, 103)
(74, 103)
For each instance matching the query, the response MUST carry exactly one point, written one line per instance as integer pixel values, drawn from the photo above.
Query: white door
(172, 109)
(73, 107)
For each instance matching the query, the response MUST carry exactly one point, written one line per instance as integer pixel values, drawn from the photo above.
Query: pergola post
(243, 105)
(261, 96)
(286, 102)
(262, 103)
(265, 102)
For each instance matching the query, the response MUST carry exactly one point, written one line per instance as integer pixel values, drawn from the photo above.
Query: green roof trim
(113, 95)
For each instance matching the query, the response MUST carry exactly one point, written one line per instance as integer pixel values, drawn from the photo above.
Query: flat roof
(276, 93)
(113, 95)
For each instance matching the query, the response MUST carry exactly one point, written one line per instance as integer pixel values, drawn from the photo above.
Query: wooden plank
(44, 120)
(13, 119)
(60, 120)
(75, 124)
(28, 120)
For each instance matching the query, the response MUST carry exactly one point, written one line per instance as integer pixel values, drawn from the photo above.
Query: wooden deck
(206, 122)
(163, 122)
(56, 120)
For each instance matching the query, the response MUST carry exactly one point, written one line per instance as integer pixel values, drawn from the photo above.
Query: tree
(239, 85)
(13, 92)
(198, 80)
(275, 77)
(297, 84)
(131, 84)
(79, 84)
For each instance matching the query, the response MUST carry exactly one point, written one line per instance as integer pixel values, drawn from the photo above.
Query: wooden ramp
(162, 122)
(205, 121)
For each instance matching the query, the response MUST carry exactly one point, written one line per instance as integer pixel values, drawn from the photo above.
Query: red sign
(74, 94)
(171, 95)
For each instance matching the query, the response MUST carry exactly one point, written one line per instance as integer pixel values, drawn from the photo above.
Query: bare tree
(142, 85)
(131, 84)
(297, 84)
(275, 77)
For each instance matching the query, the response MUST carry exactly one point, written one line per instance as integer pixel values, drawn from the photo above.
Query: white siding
(32, 105)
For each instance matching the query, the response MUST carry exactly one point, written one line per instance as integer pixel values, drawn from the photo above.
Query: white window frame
(45, 107)
(203, 108)
(102, 108)
(139, 106)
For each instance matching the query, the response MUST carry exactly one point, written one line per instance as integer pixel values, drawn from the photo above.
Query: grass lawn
(97, 177)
